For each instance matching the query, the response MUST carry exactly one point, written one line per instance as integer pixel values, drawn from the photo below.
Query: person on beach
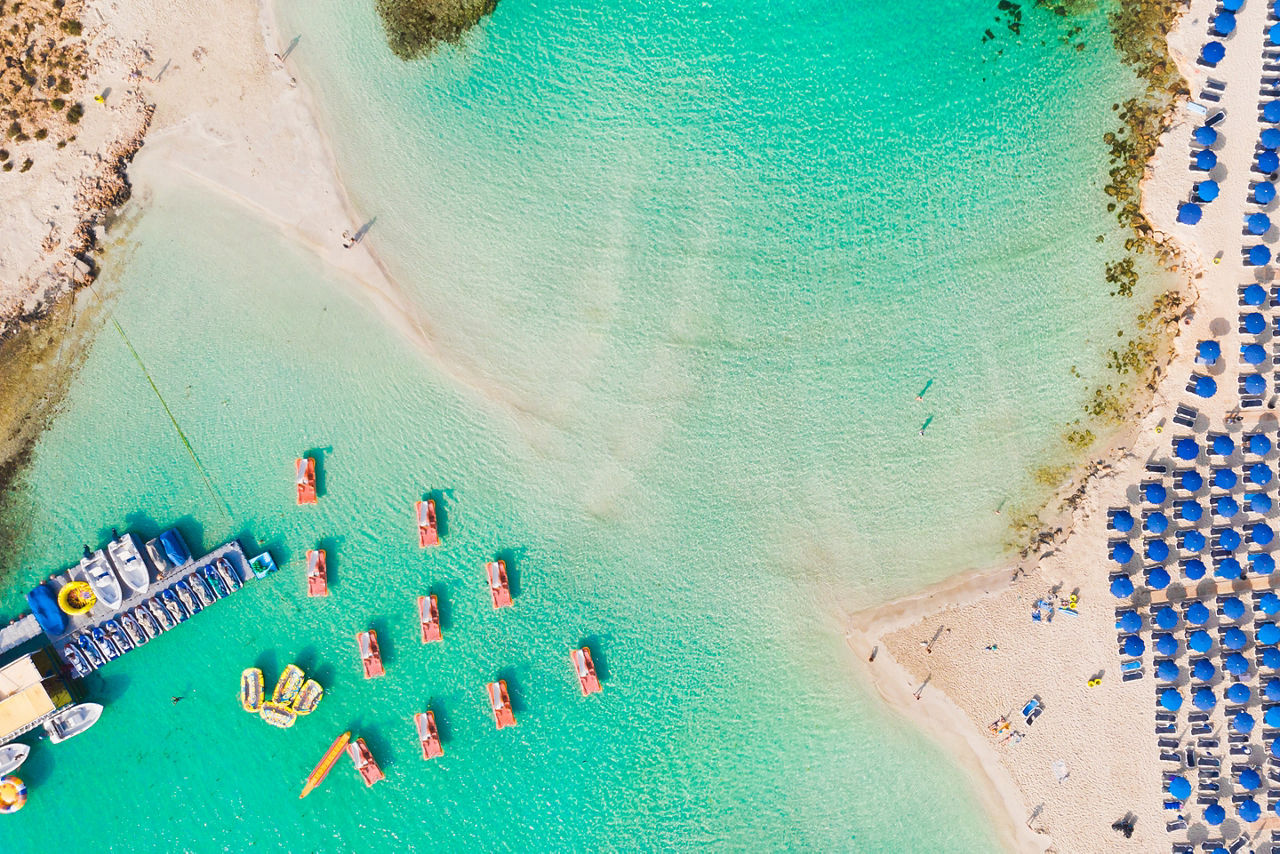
(347, 240)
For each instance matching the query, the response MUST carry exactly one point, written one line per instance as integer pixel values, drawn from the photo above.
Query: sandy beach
(1090, 758)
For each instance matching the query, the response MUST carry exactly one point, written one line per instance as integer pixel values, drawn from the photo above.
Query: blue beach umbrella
(1270, 603)
(1205, 160)
(1180, 787)
(1271, 111)
(1228, 568)
(1238, 693)
(1263, 564)
(1122, 553)
(1229, 540)
(1254, 295)
(1134, 646)
(1268, 162)
(1258, 443)
(1255, 323)
(1190, 480)
(1213, 52)
(1264, 191)
(1167, 671)
(1258, 472)
(1215, 815)
(1272, 717)
(1155, 493)
(1249, 779)
(1157, 550)
(1203, 670)
(1224, 23)
(1254, 354)
(1166, 645)
(1236, 664)
(1200, 641)
(1208, 190)
(1190, 510)
(1122, 521)
(1232, 608)
(1205, 387)
(1157, 523)
(1122, 587)
(1261, 533)
(1186, 447)
(1269, 139)
(1226, 507)
(1198, 614)
(1158, 578)
(1268, 634)
(1234, 639)
(1255, 384)
(1129, 621)
(1194, 569)
(1275, 751)
(1203, 699)
(1271, 658)
(1189, 214)
(1260, 223)
(1234, 5)
(1192, 541)
(1166, 618)
(1249, 809)
(1224, 478)
(1205, 135)
(1171, 699)
(1222, 444)
(1271, 690)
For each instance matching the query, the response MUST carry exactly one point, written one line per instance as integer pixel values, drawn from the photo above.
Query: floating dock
(18, 632)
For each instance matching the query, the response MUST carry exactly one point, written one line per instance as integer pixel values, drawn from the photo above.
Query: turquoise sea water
(686, 266)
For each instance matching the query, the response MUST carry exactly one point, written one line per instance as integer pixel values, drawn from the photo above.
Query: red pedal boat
(317, 574)
(503, 716)
(427, 734)
(428, 535)
(498, 586)
(305, 469)
(586, 670)
(360, 755)
(370, 655)
(429, 616)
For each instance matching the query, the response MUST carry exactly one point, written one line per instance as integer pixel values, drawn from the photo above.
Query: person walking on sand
(347, 240)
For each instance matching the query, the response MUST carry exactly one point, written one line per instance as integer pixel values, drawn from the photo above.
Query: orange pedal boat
(370, 655)
(503, 715)
(586, 670)
(427, 734)
(305, 470)
(428, 535)
(317, 573)
(429, 616)
(499, 589)
(360, 755)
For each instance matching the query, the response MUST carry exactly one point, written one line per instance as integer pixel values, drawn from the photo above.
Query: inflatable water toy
(48, 613)
(317, 574)
(326, 763)
(429, 617)
(305, 478)
(428, 736)
(13, 794)
(360, 755)
(503, 715)
(308, 698)
(251, 686)
(278, 715)
(499, 588)
(370, 654)
(288, 685)
(77, 598)
(586, 670)
(428, 534)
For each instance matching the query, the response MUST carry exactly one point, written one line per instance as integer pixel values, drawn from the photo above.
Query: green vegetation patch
(414, 27)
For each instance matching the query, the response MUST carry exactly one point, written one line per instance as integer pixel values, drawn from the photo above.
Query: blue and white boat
(186, 597)
(80, 666)
(117, 635)
(215, 581)
(229, 574)
(131, 628)
(90, 650)
(147, 621)
(175, 548)
(109, 650)
(162, 614)
(171, 603)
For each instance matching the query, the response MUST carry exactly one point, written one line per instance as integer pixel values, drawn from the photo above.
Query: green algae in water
(414, 27)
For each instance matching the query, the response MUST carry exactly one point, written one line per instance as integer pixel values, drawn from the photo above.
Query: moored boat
(262, 565)
(370, 654)
(278, 715)
(288, 685)
(499, 588)
(177, 610)
(429, 617)
(304, 469)
(48, 613)
(76, 660)
(160, 613)
(175, 548)
(428, 736)
(229, 574)
(155, 552)
(72, 721)
(428, 534)
(214, 580)
(326, 763)
(186, 597)
(131, 628)
(201, 589)
(586, 670)
(126, 556)
(308, 698)
(500, 701)
(90, 650)
(12, 756)
(363, 759)
(317, 574)
(146, 621)
(251, 687)
(94, 569)
(103, 642)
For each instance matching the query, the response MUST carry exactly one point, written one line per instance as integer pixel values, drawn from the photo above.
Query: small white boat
(94, 569)
(72, 722)
(126, 555)
(12, 756)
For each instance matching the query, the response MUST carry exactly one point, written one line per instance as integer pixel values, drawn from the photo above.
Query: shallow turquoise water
(686, 269)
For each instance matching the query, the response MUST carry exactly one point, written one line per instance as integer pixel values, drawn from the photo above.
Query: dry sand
(1103, 735)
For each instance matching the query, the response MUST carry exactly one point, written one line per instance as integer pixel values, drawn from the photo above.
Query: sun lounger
(1210, 787)
(1168, 742)
(1201, 729)
(1165, 729)
(1198, 717)
(1166, 756)
(1240, 749)
(1166, 716)
(1207, 743)
(1131, 676)
(1131, 665)
(1211, 761)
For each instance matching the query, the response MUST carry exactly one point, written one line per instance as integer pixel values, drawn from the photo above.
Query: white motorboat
(72, 722)
(98, 573)
(12, 756)
(126, 555)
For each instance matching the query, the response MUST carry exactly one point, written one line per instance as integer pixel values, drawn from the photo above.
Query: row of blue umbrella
(1258, 473)
(1220, 444)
